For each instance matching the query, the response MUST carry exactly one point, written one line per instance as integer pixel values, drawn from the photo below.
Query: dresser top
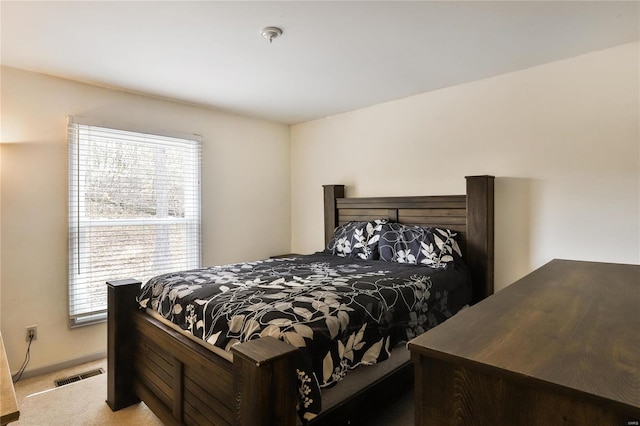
(570, 324)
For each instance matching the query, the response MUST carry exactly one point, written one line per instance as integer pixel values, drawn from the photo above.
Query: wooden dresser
(8, 403)
(561, 346)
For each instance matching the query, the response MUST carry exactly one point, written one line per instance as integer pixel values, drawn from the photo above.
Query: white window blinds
(134, 211)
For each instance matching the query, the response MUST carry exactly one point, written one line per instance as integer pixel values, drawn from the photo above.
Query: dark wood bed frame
(182, 382)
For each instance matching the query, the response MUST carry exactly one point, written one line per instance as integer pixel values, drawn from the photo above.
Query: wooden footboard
(184, 383)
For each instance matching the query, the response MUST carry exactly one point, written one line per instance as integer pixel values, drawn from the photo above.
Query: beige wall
(245, 170)
(562, 140)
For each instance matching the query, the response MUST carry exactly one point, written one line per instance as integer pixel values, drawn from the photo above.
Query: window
(134, 211)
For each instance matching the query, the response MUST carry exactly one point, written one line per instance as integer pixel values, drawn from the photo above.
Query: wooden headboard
(470, 215)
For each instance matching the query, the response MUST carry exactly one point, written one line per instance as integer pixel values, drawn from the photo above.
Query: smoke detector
(271, 32)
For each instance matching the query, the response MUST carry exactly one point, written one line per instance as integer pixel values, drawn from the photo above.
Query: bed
(150, 360)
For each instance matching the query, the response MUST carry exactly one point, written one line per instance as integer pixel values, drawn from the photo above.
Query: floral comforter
(340, 312)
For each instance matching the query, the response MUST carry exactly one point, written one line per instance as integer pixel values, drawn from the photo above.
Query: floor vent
(78, 377)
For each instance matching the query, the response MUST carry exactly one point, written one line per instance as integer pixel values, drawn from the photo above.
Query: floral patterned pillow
(357, 239)
(434, 247)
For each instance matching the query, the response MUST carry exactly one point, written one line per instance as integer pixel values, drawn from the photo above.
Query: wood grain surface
(8, 404)
(565, 337)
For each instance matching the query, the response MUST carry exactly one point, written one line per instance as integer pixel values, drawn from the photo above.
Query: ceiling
(333, 56)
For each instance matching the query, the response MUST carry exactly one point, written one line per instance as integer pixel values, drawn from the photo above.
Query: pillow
(357, 239)
(432, 247)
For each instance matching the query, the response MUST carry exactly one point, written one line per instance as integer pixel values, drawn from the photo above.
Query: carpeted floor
(83, 403)
(79, 403)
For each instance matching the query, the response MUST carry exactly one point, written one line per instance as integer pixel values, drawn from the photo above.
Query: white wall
(245, 198)
(562, 140)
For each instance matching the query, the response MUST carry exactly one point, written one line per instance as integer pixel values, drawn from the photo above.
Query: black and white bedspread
(341, 312)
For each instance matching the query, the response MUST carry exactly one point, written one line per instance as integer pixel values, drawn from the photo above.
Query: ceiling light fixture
(271, 32)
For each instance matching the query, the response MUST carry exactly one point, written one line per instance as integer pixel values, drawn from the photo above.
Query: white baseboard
(51, 368)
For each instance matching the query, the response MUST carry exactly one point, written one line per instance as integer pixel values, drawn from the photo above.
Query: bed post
(331, 192)
(480, 233)
(121, 302)
(265, 383)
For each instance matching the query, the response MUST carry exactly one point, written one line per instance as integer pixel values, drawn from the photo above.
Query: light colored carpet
(79, 403)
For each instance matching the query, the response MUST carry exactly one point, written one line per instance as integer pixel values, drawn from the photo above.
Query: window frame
(79, 223)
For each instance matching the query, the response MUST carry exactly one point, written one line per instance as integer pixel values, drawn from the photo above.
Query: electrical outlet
(32, 331)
